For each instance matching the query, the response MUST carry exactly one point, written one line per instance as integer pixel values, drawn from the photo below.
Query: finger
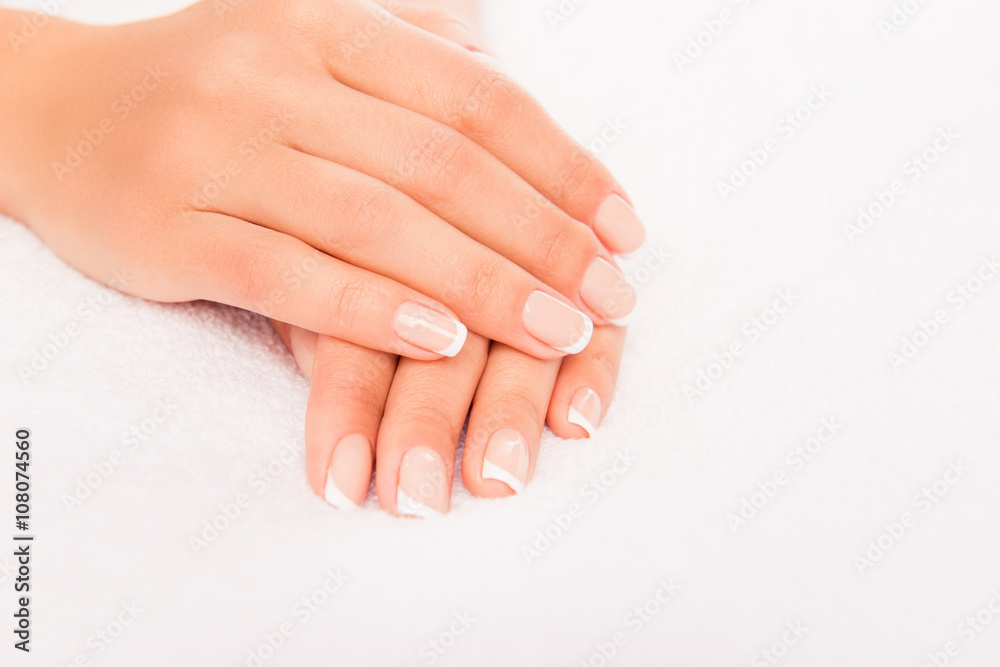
(453, 86)
(424, 414)
(241, 264)
(586, 385)
(461, 183)
(506, 421)
(438, 21)
(284, 332)
(300, 342)
(346, 400)
(365, 223)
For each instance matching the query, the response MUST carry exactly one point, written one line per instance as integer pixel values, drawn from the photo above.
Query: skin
(398, 405)
(269, 158)
(255, 170)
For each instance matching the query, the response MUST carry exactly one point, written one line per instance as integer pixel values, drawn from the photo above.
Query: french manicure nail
(618, 225)
(349, 473)
(605, 290)
(554, 323)
(429, 329)
(585, 410)
(422, 490)
(506, 459)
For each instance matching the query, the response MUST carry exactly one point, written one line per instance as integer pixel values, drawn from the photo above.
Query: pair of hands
(354, 172)
(366, 406)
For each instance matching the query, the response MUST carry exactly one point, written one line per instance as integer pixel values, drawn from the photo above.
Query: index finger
(403, 65)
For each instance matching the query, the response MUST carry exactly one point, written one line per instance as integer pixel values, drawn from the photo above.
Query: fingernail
(506, 459)
(551, 321)
(606, 291)
(429, 329)
(618, 225)
(422, 490)
(585, 410)
(350, 472)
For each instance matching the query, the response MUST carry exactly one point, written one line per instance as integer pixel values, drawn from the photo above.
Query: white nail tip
(493, 471)
(581, 344)
(576, 418)
(623, 321)
(407, 506)
(457, 339)
(458, 343)
(334, 496)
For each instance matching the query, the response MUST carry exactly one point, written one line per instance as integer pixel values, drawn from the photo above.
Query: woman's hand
(364, 409)
(323, 162)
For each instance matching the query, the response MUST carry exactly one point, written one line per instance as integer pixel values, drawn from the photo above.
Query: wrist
(32, 71)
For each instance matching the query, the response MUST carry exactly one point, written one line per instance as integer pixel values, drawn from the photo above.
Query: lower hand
(366, 409)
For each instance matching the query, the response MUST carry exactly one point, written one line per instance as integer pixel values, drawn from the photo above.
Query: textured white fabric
(674, 467)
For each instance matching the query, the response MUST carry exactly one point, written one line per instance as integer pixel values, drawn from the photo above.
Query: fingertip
(431, 332)
(586, 385)
(423, 487)
(502, 467)
(618, 225)
(349, 472)
(585, 410)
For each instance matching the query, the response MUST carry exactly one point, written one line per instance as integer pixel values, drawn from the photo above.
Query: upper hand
(323, 162)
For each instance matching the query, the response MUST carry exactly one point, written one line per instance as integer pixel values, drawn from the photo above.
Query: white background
(240, 401)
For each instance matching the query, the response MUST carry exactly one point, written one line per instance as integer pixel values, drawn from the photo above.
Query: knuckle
(369, 214)
(437, 419)
(494, 98)
(254, 269)
(582, 175)
(568, 247)
(486, 287)
(355, 394)
(442, 163)
(349, 300)
(515, 405)
(583, 178)
(603, 369)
